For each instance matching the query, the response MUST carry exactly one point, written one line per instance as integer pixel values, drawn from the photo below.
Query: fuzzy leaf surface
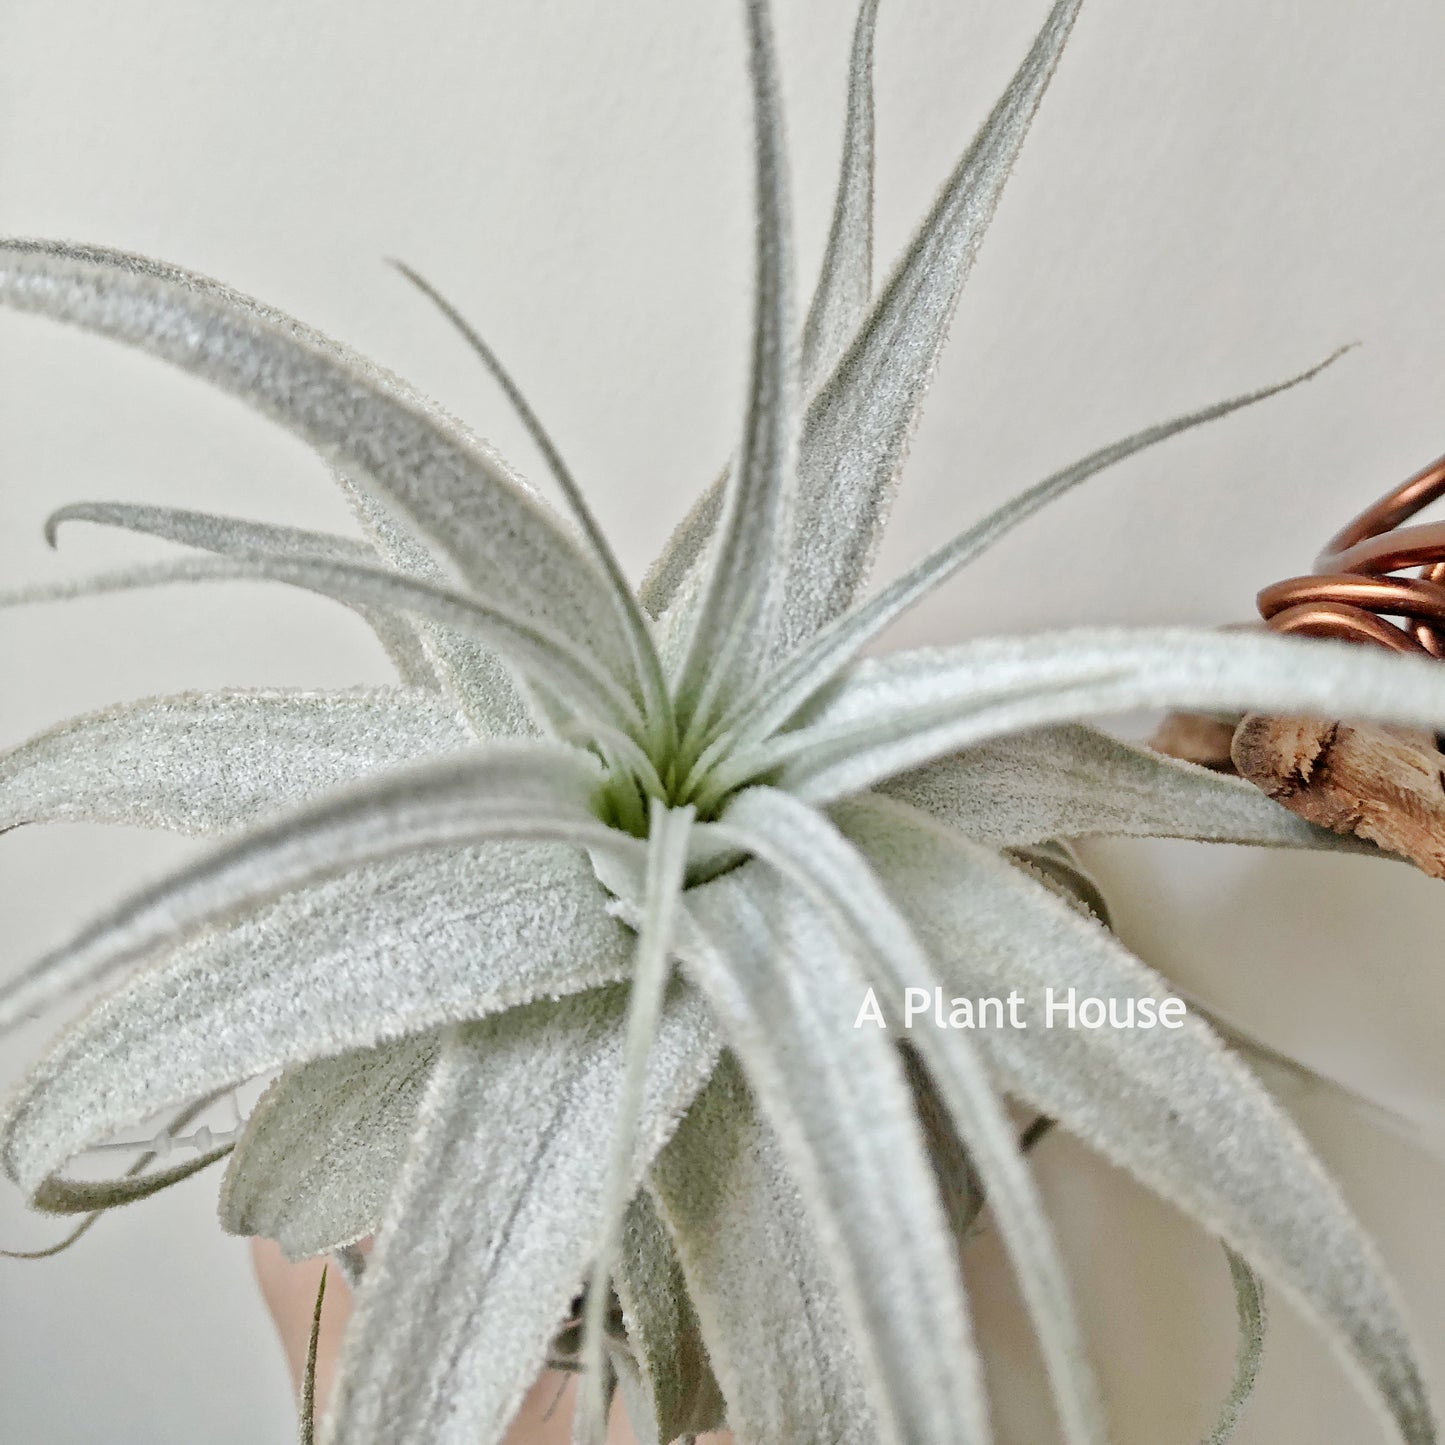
(630, 616)
(890, 714)
(806, 848)
(515, 791)
(665, 869)
(497, 1213)
(838, 306)
(749, 1256)
(1075, 781)
(323, 1146)
(846, 280)
(361, 420)
(1172, 1106)
(788, 689)
(237, 536)
(530, 647)
(737, 613)
(663, 1333)
(469, 670)
(858, 425)
(207, 762)
(782, 984)
(378, 954)
(1250, 1312)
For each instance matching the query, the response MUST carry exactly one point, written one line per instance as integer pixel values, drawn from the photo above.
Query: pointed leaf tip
(736, 617)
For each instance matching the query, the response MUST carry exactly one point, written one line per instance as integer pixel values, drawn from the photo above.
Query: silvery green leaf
(1172, 1106)
(667, 854)
(471, 672)
(783, 984)
(512, 791)
(626, 1381)
(860, 421)
(350, 1262)
(839, 302)
(204, 762)
(634, 625)
(1071, 780)
(234, 536)
(59, 1195)
(210, 531)
(94, 1198)
(1249, 1307)
(893, 713)
(674, 1375)
(860, 418)
(497, 1212)
(382, 953)
(958, 1181)
(571, 672)
(65, 1242)
(768, 1307)
(805, 847)
(678, 569)
(674, 627)
(323, 1146)
(461, 1021)
(824, 655)
(368, 424)
(1057, 867)
(846, 280)
(1291, 1080)
(736, 617)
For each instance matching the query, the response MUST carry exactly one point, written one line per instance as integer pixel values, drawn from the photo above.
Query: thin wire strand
(1353, 592)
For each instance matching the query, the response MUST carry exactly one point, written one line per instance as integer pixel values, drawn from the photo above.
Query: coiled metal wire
(1354, 591)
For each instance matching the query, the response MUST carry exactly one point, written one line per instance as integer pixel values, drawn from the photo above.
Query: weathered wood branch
(1383, 784)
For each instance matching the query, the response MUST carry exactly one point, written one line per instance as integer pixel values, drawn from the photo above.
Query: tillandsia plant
(557, 946)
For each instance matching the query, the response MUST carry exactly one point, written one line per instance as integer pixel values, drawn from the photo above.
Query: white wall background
(1214, 196)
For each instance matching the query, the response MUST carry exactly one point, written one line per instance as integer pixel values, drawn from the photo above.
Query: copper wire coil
(1352, 593)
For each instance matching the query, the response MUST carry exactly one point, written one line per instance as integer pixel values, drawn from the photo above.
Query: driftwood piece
(1384, 784)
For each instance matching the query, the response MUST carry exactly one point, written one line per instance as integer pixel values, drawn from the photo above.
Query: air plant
(557, 945)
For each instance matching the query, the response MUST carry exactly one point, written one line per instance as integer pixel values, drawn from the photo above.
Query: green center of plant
(677, 773)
